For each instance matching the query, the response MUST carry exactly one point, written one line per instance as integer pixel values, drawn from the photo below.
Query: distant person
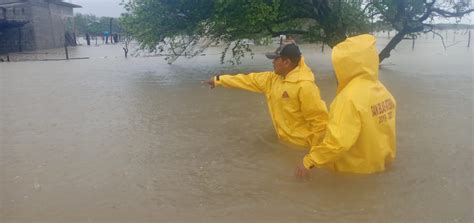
(88, 39)
(106, 37)
(289, 39)
(74, 38)
(297, 111)
(360, 136)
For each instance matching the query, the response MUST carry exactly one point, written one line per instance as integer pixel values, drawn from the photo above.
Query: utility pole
(469, 40)
(65, 49)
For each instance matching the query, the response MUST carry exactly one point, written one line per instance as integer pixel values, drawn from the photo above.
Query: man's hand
(301, 172)
(210, 82)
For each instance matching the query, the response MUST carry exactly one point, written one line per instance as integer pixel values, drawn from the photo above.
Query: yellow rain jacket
(360, 135)
(298, 113)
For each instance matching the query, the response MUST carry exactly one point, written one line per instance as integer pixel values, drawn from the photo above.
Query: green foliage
(187, 27)
(152, 21)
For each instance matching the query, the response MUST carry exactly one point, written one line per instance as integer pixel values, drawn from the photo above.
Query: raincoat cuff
(307, 162)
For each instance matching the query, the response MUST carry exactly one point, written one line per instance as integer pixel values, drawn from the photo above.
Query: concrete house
(27, 25)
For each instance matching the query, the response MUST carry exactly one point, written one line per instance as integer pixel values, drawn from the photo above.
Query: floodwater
(110, 139)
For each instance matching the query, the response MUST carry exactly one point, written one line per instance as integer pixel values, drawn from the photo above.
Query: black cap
(290, 50)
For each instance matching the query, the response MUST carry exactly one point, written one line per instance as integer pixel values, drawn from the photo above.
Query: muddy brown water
(137, 140)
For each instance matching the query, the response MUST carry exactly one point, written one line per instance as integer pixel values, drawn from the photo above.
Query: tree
(410, 17)
(167, 24)
(92, 24)
(186, 27)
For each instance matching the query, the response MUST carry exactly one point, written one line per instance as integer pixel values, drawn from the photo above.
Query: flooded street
(109, 139)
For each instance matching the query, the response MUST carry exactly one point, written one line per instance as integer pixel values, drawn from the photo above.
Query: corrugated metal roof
(61, 3)
(13, 3)
(56, 2)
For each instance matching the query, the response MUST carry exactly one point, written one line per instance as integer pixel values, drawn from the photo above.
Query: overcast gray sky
(109, 8)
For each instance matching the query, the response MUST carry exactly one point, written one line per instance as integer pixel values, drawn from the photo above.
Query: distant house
(27, 25)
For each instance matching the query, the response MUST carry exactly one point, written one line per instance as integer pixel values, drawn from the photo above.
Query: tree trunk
(385, 53)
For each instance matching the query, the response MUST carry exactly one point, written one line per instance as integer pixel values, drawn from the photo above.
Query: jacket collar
(301, 73)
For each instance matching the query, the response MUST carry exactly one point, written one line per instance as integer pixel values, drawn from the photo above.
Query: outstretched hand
(210, 82)
(301, 172)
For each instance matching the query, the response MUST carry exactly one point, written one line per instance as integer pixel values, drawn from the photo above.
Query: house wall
(45, 30)
(10, 39)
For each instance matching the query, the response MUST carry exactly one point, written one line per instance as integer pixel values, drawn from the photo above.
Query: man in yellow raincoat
(360, 136)
(297, 111)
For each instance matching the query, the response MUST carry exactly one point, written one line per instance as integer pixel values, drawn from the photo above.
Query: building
(27, 25)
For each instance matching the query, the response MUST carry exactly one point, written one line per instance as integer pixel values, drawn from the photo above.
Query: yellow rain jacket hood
(294, 102)
(360, 135)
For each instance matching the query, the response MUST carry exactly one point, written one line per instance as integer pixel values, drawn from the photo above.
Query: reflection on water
(137, 140)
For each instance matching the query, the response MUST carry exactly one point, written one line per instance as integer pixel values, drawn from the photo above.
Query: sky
(109, 8)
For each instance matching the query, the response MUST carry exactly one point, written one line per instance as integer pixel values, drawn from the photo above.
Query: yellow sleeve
(342, 133)
(314, 110)
(255, 82)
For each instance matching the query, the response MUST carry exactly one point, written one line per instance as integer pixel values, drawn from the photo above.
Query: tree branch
(448, 14)
(440, 36)
(385, 53)
(429, 10)
(367, 6)
(283, 32)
